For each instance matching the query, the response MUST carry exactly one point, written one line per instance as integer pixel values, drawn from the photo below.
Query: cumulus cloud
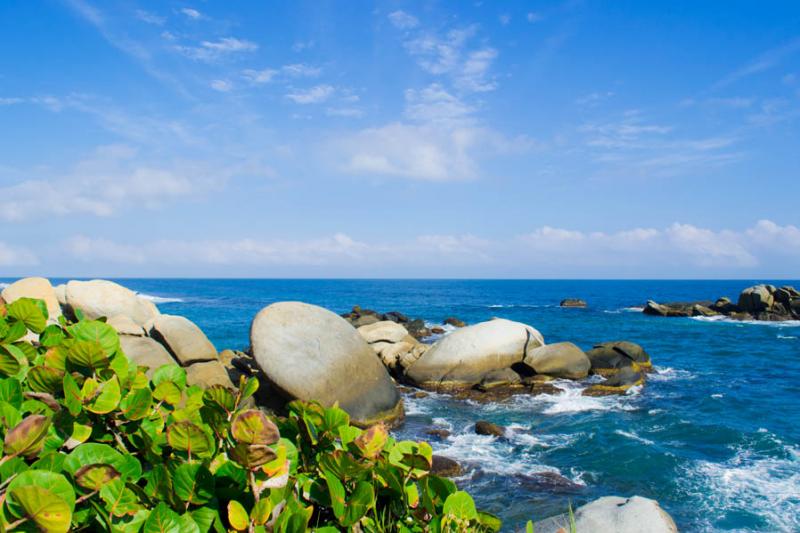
(16, 256)
(679, 249)
(111, 179)
(191, 13)
(314, 95)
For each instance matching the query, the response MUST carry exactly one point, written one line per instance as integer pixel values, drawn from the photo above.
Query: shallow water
(714, 436)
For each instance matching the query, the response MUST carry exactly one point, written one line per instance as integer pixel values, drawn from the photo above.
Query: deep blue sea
(714, 436)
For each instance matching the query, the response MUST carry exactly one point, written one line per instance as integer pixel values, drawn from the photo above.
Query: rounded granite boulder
(465, 356)
(38, 288)
(310, 353)
(560, 360)
(101, 298)
(613, 514)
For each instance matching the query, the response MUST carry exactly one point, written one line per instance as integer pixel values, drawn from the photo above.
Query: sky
(566, 139)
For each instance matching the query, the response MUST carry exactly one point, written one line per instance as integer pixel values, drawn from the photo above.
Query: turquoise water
(714, 436)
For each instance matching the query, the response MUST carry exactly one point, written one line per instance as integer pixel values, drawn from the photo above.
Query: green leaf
(52, 461)
(359, 502)
(162, 519)
(237, 516)
(206, 518)
(173, 373)
(108, 398)
(45, 379)
(372, 441)
(11, 392)
(88, 354)
(253, 427)
(247, 388)
(27, 437)
(11, 360)
(94, 477)
(136, 405)
(16, 330)
(337, 494)
(46, 498)
(73, 398)
(220, 395)
(489, 522)
(189, 437)
(119, 499)
(32, 313)
(529, 527)
(460, 505)
(167, 391)
(187, 524)
(97, 332)
(52, 335)
(251, 455)
(9, 415)
(193, 483)
(261, 511)
(96, 453)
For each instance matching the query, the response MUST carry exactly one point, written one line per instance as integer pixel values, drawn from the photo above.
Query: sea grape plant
(93, 442)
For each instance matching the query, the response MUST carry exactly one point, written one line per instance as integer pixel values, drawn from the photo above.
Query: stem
(86, 497)
(12, 525)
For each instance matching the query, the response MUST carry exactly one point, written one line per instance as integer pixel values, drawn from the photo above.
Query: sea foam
(159, 299)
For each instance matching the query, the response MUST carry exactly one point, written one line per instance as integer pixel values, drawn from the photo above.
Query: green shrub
(91, 443)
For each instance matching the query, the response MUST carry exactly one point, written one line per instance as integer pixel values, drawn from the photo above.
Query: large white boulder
(144, 351)
(613, 514)
(465, 356)
(310, 353)
(383, 331)
(38, 288)
(100, 297)
(560, 360)
(184, 340)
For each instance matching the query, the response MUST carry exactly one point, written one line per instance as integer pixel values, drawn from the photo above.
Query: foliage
(91, 443)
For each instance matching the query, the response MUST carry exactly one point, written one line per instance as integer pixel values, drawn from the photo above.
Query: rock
(207, 374)
(144, 351)
(619, 383)
(572, 302)
(61, 294)
(755, 299)
(185, 341)
(395, 316)
(386, 331)
(445, 467)
(549, 482)
(608, 357)
(125, 326)
(455, 322)
(436, 330)
(724, 306)
(464, 357)
(98, 298)
(420, 394)
(391, 354)
(562, 360)
(38, 288)
(655, 309)
(418, 329)
(785, 295)
(612, 514)
(741, 316)
(310, 353)
(482, 427)
(365, 320)
(671, 309)
(502, 376)
(702, 310)
(439, 433)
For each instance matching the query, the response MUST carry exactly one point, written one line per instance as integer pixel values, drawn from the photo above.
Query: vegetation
(91, 443)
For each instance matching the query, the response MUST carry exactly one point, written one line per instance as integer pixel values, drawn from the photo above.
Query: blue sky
(400, 139)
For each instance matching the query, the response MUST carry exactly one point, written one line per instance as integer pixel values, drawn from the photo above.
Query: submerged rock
(613, 514)
(483, 427)
(561, 360)
(310, 353)
(438, 433)
(619, 383)
(455, 322)
(572, 302)
(464, 357)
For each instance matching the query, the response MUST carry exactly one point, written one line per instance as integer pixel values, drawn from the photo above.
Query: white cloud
(214, 50)
(259, 76)
(11, 101)
(150, 18)
(676, 250)
(434, 103)
(534, 17)
(766, 61)
(191, 13)
(222, 86)
(402, 20)
(301, 70)
(112, 179)
(16, 256)
(314, 95)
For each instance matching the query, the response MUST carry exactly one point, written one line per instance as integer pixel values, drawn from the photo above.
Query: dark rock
(417, 329)
(445, 467)
(724, 306)
(455, 322)
(420, 394)
(548, 482)
(436, 330)
(702, 310)
(395, 316)
(365, 320)
(573, 302)
(482, 427)
(496, 378)
(440, 434)
(619, 383)
(608, 357)
(756, 299)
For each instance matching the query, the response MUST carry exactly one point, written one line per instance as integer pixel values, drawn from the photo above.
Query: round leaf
(189, 437)
(27, 437)
(237, 516)
(253, 427)
(193, 483)
(29, 312)
(94, 477)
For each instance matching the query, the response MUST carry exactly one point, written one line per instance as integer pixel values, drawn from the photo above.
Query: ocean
(714, 436)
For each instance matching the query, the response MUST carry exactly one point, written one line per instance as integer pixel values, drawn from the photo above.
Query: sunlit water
(714, 436)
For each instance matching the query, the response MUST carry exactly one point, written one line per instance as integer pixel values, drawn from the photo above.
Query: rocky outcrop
(613, 514)
(618, 383)
(573, 302)
(562, 360)
(38, 288)
(125, 326)
(607, 358)
(184, 340)
(417, 328)
(759, 302)
(102, 298)
(310, 353)
(462, 358)
(482, 427)
(445, 467)
(208, 373)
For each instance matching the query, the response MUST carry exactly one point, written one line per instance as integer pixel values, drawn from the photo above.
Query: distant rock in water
(482, 427)
(573, 302)
(445, 467)
(612, 514)
(759, 302)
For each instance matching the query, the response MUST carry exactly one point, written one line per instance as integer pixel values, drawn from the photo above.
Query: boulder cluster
(759, 302)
